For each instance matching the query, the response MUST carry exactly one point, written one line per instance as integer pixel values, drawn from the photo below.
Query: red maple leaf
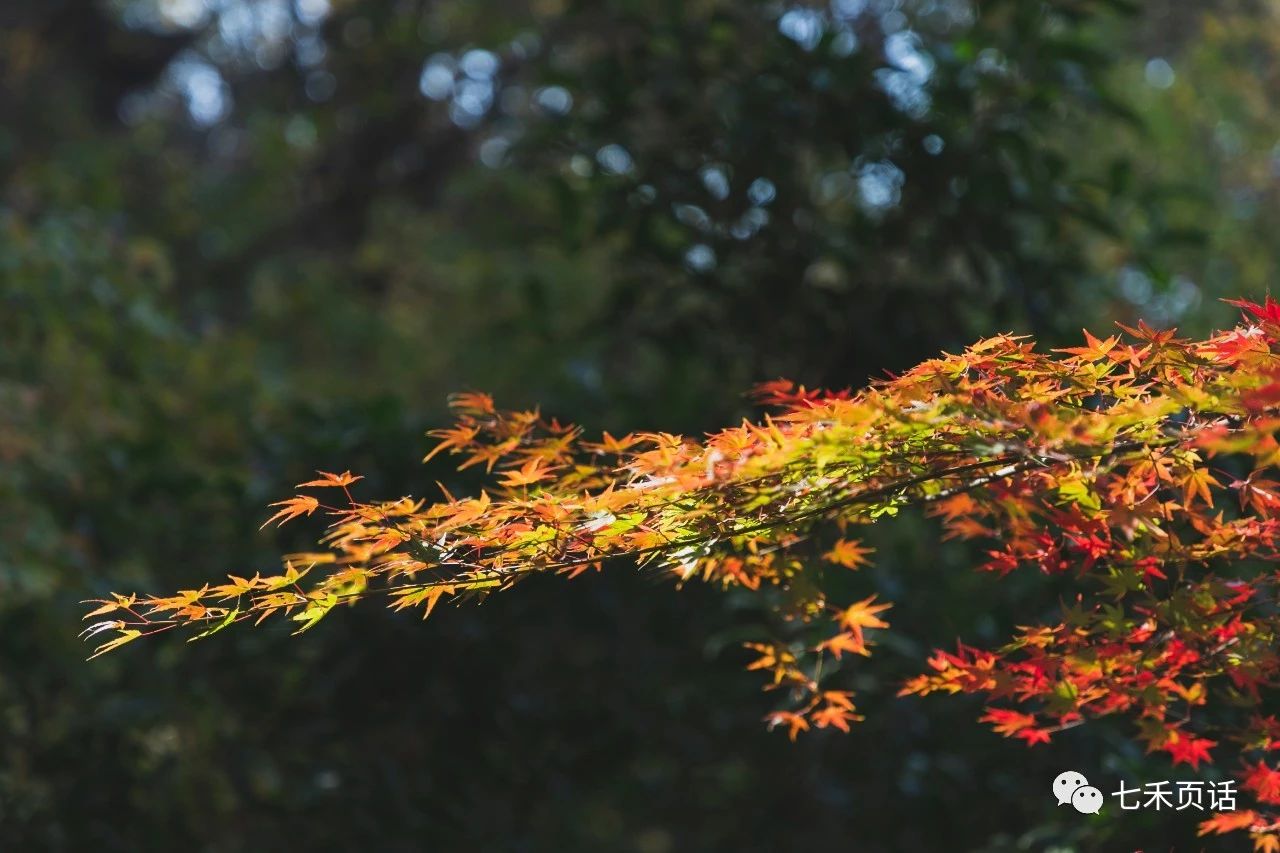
(1191, 750)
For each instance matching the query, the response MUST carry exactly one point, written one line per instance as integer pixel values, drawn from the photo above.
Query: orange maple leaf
(455, 439)
(292, 508)
(1015, 724)
(848, 553)
(795, 722)
(1096, 348)
(476, 402)
(1225, 822)
(834, 716)
(330, 480)
(841, 643)
(527, 474)
(609, 444)
(1197, 484)
(862, 614)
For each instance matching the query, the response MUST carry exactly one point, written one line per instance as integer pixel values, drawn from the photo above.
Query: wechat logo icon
(1072, 788)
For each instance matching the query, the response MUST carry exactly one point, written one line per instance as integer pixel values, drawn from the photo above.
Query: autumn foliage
(1141, 466)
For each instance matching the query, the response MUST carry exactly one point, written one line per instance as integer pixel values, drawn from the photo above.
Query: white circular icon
(1066, 784)
(1087, 800)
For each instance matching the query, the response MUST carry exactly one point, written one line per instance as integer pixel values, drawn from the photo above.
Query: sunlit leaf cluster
(1141, 467)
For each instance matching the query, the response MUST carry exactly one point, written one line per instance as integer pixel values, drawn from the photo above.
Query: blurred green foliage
(244, 239)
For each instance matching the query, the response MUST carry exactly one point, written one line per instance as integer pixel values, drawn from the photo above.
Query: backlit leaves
(292, 508)
(862, 614)
(122, 636)
(328, 480)
(1139, 468)
(848, 553)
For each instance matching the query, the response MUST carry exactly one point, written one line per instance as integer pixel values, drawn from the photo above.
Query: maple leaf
(124, 635)
(1197, 483)
(1186, 749)
(1235, 345)
(835, 716)
(839, 698)
(996, 343)
(118, 602)
(785, 394)
(1096, 349)
(794, 722)
(239, 586)
(862, 614)
(1002, 562)
(1265, 842)
(292, 508)
(967, 528)
(315, 610)
(956, 506)
(531, 472)
(1263, 781)
(472, 402)
(1016, 724)
(1225, 822)
(228, 619)
(848, 553)
(455, 439)
(1150, 568)
(1269, 311)
(1034, 736)
(1158, 338)
(771, 656)
(609, 444)
(430, 595)
(841, 643)
(329, 480)
(1260, 493)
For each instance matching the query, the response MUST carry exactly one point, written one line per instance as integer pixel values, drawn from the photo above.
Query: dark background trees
(243, 239)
